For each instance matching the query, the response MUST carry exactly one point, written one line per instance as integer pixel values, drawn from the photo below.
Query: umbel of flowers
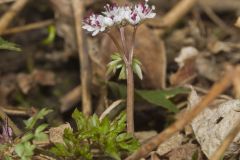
(119, 17)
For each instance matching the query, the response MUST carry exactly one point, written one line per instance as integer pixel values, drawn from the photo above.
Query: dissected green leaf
(80, 119)
(41, 128)
(27, 137)
(8, 45)
(25, 150)
(110, 138)
(30, 123)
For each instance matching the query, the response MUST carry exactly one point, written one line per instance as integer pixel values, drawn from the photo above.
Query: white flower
(96, 23)
(141, 12)
(116, 13)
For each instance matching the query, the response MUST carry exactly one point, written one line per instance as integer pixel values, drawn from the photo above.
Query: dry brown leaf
(174, 142)
(214, 124)
(209, 68)
(187, 69)
(218, 46)
(7, 86)
(56, 133)
(184, 152)
(25, 82)
(44, 78)
(238, 22)
(28, 81)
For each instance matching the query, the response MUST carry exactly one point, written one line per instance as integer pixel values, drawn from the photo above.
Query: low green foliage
(8, 45)
(23, 147)
(105, 137)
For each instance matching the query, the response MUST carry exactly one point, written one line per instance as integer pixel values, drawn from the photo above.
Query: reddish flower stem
(130, 79)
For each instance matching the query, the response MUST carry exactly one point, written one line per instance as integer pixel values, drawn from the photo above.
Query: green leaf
(116, 56)
(105, 126)
(111, 149)
(30, 123)
(137, 70)
(60, 150)
(25, 150)
(118, 89)
(157, 98)
(40, 136)
(27, 137)
(122, 74)
(51, 35)
(7, 158)
(80, 119)
(41, 128)
(8, 45)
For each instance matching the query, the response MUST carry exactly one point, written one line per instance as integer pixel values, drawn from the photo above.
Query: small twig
(6, 1)
(226, 142)
(110, 108)
(17, 112)
(71, 98)
(216, 19)
(4, 117)
(78, 9)
(11, 13)
(173, 16)
(28, 27)
(217, 89)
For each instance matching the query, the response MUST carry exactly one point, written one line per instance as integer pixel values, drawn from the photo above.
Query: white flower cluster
(117, 15)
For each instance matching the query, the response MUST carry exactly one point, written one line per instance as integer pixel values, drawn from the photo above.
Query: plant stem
(120, 50)
(130, 98)
(133, 44)
(123, 40)
(130, 80)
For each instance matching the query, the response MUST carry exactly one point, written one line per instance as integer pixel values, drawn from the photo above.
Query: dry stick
(4, 117)
(227, 141)
(28, 27)
(217, 89)
(78, 9)
(71, 98)
(16, 112)
(216, 19)
(6, 1)
(173, 16)
(11, 13)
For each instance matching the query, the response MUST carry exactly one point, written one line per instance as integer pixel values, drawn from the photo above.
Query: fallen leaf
(174, 142)
(184, 152)
(213, 124)
(25, 82)
(56, 133)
